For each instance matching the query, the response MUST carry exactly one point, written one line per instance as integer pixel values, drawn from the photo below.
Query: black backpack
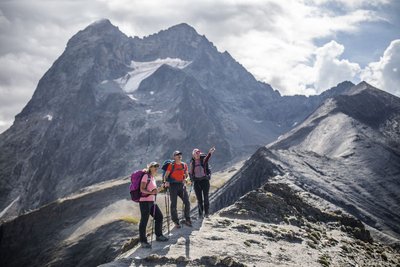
(206, 166)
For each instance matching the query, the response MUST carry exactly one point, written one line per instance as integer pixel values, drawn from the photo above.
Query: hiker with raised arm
(148, 206)
(175, 178)
(200, 174)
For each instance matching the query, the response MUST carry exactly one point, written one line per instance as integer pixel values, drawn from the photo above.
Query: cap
(196, 151)
(177, 153)
(153, 164)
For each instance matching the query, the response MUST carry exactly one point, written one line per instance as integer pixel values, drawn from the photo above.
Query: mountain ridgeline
(85, 124)
(346, 152)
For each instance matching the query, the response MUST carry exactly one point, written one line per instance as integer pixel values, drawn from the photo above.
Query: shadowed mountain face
(111, 104)
(346, 152)
(85, 229)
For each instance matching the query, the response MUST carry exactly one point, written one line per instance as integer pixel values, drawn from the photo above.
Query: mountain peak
(100, 22)
(182, 32)
(95, 31)
(183, 27)
(101, 26)
(339, 89)
(179, 41)
(360, 87)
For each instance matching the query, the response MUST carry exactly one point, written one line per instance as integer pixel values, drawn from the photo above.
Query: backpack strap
(172, 167)
(202, 164)
(148, 181)
(193, 166)
(172, 163)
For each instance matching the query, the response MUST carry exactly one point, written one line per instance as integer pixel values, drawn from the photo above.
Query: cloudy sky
(297, 46)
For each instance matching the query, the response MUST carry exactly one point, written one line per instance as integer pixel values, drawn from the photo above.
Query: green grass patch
(216, 184)
(316, 235)
(247, 243)
(130, 219)
(325, 260)
(311, 244)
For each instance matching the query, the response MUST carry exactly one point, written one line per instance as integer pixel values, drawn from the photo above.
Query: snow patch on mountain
(4, 211)
(149, 111)
(48, 117)
(132, 97)
(141, 70)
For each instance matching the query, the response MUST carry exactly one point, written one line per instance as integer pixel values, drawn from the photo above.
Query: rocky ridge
(346, 153)
(273, 225)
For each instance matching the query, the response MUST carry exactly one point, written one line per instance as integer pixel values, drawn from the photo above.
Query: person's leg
(158, 217)
(173, 192)
(185, 198)
(206, 189)
(199, 196)
(180, 195)
(144, 218)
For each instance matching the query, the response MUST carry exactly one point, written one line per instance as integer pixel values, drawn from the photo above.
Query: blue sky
(297, 46)
(369, 43)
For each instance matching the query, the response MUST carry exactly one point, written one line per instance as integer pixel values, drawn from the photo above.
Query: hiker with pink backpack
(144, 190)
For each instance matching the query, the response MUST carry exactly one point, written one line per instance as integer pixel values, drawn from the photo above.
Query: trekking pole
(167, 208)
(183, 203)
(152, 224)
(190, 191)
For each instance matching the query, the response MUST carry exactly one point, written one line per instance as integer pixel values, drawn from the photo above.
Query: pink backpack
(134, 187)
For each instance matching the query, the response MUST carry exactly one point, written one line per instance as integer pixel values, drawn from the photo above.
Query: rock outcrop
(276, 224)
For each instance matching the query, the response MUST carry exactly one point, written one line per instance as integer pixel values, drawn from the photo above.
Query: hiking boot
(177, 225)
(145, 245)
(188, 223)
(206, 215)
(161, 238)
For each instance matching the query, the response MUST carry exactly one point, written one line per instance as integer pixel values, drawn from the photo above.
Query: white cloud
(18, 77)
(323, 71)
(329, 69)
(353, 3)
(385, 74)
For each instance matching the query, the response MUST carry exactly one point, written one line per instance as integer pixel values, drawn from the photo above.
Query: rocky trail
(270, 226)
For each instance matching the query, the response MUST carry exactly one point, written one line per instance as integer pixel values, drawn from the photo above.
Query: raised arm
(210, 152)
